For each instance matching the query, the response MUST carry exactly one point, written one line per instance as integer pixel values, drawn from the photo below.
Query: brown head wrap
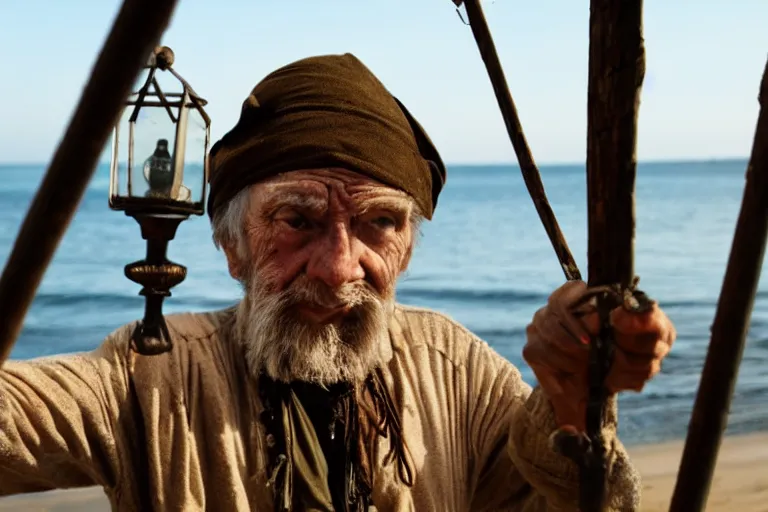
(320, 112)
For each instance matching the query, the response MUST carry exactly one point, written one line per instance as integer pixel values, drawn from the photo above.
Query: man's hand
(558, 350)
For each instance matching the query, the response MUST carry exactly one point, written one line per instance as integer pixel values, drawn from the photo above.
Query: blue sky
(704, 61)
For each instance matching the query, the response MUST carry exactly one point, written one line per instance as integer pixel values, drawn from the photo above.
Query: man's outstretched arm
(61, 419)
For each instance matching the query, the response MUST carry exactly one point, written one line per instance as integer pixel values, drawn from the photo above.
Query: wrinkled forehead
(332, 187)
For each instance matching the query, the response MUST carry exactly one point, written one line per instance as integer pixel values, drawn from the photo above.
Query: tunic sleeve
(60, 419)
(515, 468)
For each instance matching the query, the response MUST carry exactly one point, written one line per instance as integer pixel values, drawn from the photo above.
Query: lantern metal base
(157, 275)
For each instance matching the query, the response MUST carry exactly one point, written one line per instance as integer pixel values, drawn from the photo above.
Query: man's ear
(234, 262)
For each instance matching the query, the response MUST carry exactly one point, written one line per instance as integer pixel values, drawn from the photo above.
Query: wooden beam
(616, 72)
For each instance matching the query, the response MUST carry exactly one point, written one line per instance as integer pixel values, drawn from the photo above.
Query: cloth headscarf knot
(321, 112)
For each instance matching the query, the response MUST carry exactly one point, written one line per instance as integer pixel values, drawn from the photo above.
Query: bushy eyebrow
(300, 200)
(393, 204)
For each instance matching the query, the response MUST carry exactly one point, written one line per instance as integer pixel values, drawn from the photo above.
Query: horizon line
(674, 160)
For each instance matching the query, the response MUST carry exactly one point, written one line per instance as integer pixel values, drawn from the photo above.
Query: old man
(318, 391)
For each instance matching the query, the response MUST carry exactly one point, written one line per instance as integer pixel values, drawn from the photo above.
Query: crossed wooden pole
(616, 71)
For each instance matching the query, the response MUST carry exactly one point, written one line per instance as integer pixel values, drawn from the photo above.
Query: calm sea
(485, 260)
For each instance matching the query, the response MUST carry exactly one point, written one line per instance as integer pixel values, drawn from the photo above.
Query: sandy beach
(741, 477)
(740, 484)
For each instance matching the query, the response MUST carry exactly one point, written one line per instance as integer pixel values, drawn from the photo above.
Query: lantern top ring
(162, 57)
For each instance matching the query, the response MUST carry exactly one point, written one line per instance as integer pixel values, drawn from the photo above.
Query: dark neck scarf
(321, 443)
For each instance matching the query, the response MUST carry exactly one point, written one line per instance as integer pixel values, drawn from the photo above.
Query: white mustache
(318, 294)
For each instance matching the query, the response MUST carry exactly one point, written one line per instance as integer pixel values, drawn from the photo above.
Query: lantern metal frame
(158, 217)
(162, 59)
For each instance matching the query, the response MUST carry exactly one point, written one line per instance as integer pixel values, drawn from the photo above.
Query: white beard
(279, 342)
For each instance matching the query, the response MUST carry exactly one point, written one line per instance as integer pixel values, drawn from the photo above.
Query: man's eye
(384, 222)
(297, 222)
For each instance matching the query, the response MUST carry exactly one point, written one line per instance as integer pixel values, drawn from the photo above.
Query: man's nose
(336, 261)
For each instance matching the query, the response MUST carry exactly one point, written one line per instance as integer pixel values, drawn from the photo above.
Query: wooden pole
(616, 72)
(729, 330)
(530, 172)
(136, 30)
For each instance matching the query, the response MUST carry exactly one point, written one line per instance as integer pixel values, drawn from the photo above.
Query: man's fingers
(554, 348)
(631, 321)
(557, 321)
(546, 326)
(631, 371)
(554, 359)
(568, 293)
(653, 320)
(648, 344)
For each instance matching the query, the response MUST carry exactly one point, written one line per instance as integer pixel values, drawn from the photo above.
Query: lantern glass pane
(120, 150)
(194, 155)
(153, 137)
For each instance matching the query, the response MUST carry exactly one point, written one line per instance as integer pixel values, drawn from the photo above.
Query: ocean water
(485, 260)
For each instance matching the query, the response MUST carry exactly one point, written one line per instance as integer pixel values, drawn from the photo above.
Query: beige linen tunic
(477, 434)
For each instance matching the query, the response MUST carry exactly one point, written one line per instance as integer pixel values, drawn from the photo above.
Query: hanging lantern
(158, 176)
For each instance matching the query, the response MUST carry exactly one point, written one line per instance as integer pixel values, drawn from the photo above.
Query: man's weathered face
(323, 251)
